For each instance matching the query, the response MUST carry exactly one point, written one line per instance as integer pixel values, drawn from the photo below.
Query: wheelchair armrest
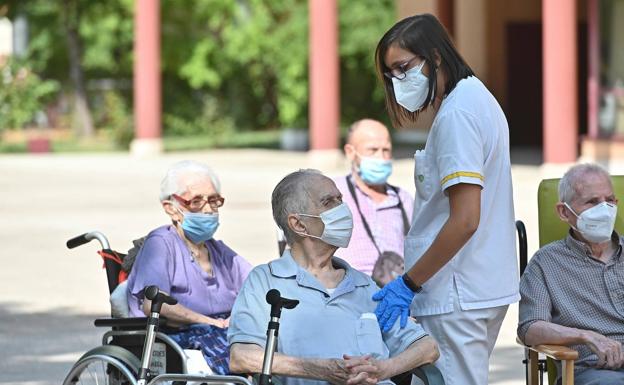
(429, 374)
(556, 352)
(127, 323)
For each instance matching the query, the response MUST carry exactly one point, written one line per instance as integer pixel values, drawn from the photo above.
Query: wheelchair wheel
(105, 365)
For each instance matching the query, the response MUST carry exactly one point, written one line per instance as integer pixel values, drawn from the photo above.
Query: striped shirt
(564, 285)
(385, 220)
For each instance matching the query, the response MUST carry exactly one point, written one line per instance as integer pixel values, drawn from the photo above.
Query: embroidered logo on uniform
(421, 177)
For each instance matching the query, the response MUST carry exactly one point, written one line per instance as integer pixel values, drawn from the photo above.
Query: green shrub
(22, 94)
(211, 122)
(114, 116)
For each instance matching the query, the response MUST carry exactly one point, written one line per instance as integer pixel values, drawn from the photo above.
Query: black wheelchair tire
(117, 365)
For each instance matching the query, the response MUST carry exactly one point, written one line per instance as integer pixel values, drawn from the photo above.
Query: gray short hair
(569, 181)
(291, 196)
(171, 182)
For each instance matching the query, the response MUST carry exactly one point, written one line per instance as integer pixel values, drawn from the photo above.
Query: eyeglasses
(400, 70)
(198, 202)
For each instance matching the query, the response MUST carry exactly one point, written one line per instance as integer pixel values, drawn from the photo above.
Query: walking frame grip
(158, 298)
(277, 302)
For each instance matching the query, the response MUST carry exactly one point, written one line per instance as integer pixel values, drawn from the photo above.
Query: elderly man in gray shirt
(573, 289)
(332, 335)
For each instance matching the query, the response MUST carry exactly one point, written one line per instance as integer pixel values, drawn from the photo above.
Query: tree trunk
(83, 122)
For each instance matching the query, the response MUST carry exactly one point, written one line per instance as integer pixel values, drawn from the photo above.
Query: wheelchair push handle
(88, 237)
(158, 298)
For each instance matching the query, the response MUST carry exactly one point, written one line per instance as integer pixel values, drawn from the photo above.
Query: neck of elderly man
(599, 251)
(315, 256)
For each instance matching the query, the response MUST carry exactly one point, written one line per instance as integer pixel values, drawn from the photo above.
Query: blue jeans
(594, 376)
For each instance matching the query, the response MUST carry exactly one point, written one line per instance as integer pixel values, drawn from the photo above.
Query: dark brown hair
(423, 35)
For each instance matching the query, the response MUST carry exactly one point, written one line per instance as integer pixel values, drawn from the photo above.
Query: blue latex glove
(396, 299)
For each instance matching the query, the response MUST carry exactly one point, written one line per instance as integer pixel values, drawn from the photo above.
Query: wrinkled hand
(395, 299)
(609, 352)
(337, 372)
(218, 322)
(364, 370)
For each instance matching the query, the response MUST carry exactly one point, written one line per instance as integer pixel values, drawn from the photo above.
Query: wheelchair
(134, 350)
(552, 229)
(116, 360)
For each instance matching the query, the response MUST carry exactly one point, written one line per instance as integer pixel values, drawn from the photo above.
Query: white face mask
(338, 226)
(596, 223)
(411, 91)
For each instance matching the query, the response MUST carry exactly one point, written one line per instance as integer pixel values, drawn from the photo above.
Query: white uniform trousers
(465, 339)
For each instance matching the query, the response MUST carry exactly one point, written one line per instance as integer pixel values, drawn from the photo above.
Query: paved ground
(49, 295)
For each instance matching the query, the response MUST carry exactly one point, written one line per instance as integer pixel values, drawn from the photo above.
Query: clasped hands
(362, 370)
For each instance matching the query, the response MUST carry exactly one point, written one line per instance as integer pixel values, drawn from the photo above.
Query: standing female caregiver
(460, 250)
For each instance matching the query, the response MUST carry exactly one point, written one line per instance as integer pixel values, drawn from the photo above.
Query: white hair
(568, 183)
(171, 182)
(291, 196)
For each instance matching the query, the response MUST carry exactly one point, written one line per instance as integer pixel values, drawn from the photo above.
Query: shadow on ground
(40, 348)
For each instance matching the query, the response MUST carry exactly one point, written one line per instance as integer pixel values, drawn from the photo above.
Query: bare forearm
(542, 332)
(421, 352)
(180, 315)
(247, 358)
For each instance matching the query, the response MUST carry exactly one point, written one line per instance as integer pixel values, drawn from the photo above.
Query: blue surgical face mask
(374, 171)
(199, 227)
(338, 226)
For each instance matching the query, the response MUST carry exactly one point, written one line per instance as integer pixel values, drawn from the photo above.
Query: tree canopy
(227, 65)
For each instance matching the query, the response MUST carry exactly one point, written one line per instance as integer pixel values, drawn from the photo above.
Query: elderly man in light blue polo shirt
(333, 335)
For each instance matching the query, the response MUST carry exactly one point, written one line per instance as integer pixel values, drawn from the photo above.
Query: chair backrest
(551, 228)
(112, 264)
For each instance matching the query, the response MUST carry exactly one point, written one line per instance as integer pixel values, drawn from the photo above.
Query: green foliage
(106, 27)
(361, 28)
(210, 122)
(247, 139)
(253, 56)
(22, 94)
(268, 40)
(227, 65)
(114, 116)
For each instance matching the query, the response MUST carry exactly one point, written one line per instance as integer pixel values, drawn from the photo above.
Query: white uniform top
(468, 143)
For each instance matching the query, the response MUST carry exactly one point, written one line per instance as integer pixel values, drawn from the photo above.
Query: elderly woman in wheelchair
(204, 275)
(332, 335)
